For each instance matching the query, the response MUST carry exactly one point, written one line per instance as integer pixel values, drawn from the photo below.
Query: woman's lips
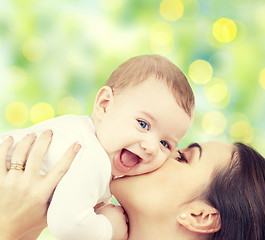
(126, 161)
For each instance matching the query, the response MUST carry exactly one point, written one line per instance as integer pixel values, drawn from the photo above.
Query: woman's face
(178, 181)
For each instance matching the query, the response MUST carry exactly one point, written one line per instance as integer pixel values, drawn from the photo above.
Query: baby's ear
(200, 217)
(102, 102)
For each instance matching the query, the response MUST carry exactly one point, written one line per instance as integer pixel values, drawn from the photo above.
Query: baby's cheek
(173, 154)
(162, 159)
(106, 144)
(166, 155)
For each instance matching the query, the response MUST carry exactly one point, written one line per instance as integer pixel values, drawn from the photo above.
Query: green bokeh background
(61, 52)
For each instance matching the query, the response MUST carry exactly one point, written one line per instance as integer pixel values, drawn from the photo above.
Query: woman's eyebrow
(197, 145)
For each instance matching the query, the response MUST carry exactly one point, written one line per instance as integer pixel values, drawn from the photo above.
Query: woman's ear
(200, 217)
(102, 102)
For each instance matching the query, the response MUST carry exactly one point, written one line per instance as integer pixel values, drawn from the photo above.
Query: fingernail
(77, 147)
(9, 139)
(33, 134)
(48, 132)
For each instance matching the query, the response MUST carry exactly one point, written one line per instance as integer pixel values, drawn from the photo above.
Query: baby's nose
(149, 147)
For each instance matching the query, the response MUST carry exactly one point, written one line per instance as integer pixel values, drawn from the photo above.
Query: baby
(139, 117)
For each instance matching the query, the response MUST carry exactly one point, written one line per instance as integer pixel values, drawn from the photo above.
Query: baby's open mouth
(129, 159)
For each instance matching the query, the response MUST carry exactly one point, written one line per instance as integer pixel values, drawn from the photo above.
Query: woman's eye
(181, 157)
(164, 143)
(143, 124)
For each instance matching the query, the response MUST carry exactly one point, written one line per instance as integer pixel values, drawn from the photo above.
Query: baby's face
(141, 126)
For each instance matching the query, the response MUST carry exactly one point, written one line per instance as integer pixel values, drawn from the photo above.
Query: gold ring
(17, 166)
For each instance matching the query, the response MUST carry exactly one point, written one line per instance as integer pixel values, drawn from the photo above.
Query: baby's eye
(165, 144)
(181, 157)
(143, 124)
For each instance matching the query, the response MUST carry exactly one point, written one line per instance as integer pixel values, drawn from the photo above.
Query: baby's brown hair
(137, 69)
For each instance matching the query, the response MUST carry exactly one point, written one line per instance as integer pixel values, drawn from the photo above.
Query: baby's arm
(118, 219)
(71, 213)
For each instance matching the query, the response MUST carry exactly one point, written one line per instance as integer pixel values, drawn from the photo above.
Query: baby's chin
(116, 177)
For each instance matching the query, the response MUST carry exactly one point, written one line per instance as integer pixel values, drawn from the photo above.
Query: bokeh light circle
(224, 30)
(217, 93)
(34, 49)
(161, 38)
(262, 78)
(200, 71)
(41, 112)
(214, 123)
(242, 131)
(17, 113)
(171, 10)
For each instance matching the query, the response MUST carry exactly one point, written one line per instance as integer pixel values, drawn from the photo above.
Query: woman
(207, 191)
(211, 190)
(24, 192)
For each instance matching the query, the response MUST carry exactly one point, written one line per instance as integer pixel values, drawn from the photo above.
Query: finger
(37, 152)
(58, 171)
(22, 148)
(4, 148)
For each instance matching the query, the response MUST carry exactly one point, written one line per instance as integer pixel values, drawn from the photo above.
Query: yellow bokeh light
(217, 93)
(17, 113)
(161, 38)
(242, 131)
(69, 105)
(262, 78)
(171, 10)
(41, 112)
(214, 123)
(224, 30)
(200, 71)
(34, 49)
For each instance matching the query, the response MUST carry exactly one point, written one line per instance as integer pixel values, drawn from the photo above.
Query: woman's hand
(24, 192)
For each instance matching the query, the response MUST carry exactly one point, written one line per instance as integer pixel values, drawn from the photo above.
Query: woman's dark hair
(238, 193)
